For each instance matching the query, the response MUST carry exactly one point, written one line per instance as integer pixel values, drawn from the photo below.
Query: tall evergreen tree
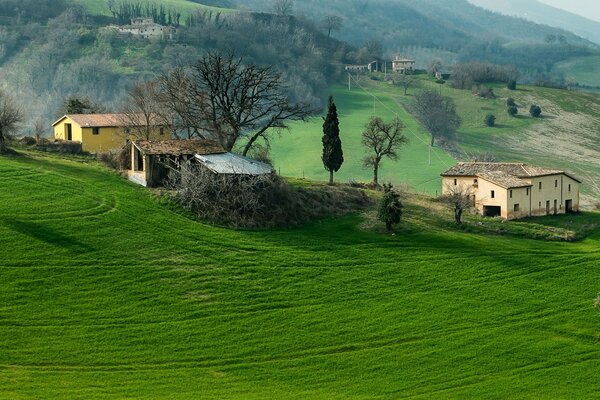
(333, 156)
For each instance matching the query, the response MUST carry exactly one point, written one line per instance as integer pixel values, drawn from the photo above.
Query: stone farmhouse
(147, 28)
(514, 190)
(403, 65)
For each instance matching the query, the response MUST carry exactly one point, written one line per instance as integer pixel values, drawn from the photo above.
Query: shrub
(513, 111)
(512, 85)
(535, 111)
(511, 102)
(60, 146)
(485, 93)
(27, 141)
(260, 201)
(390, 209)
(490, 120)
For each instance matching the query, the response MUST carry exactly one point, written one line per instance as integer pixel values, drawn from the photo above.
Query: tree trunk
(376, 174)
(388, 226)
(432, 140)
(457, 215)
(331, 177)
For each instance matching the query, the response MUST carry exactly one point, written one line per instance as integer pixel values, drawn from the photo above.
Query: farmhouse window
(95, 131)
(556, 183)
(540, 185)
(455, 182)
(517, 208)
(527, 191)
(569, 187)
(162, 131)
(493, 194)
(511, 194)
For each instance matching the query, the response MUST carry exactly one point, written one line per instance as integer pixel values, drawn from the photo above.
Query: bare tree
(459, 198)
(434, 67)
(38, 128)
(11, 115)
(143, 113)
(187, 107)
(382, 140)
(437, 114)
(405, 80)
(242, 101)
(283, 7)
(332, 23)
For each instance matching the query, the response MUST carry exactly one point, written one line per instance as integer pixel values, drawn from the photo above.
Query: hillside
(567, 136)
(107, 293)
(541, 13)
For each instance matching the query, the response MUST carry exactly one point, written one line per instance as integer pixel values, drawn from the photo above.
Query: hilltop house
(403, 65)
(147, 28)
(513, 190)
(149, 161)
(100, 133)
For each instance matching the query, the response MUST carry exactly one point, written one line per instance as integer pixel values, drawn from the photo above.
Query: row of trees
(124, 11)
(467, 75)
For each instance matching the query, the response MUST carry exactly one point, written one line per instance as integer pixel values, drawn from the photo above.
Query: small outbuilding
(150, 162)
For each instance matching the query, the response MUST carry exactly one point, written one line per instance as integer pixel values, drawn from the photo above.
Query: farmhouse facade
(514, 190)
(150, 162)
(403, 65)
(147, 28)
(99, 133)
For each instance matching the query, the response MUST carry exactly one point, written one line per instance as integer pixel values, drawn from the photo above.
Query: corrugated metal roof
(233, 164)
(179, 147)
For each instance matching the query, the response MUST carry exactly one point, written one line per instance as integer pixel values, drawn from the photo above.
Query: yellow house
(514, 190)
(100, 133)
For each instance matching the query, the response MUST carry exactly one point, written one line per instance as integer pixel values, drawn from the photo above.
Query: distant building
(403, 65)
(99, 133)
(147, 28)
(357, 67)
(513, 191)
(149, 162)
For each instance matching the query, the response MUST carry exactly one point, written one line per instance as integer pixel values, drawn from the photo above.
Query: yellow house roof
(102, 120)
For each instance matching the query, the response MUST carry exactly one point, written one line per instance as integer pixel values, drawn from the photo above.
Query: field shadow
(47, 235)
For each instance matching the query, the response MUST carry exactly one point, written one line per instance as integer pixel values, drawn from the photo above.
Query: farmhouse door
(69, 130)
(555, 207)
(548, 207)
(569, 206)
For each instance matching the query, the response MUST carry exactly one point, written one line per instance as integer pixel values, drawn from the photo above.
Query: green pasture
(298, 153)
(108, 293)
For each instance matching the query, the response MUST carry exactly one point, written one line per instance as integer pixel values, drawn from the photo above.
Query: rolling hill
(566, 137)
(541, 13)
(108, 293)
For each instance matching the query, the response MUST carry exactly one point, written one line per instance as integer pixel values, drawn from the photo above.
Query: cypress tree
(333, 156)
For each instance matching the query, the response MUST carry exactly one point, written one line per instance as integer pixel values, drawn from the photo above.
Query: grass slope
(585, 70)
(105, 293)
(299, 153)
(566, 137)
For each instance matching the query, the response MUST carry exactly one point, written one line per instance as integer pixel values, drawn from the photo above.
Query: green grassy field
(585, 70)
(108, 294)
(298, 153)
(566, 137)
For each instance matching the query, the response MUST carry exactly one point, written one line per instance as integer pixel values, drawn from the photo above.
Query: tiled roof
(503, 174)
(504, 180)
(179, 147)
(104, 120)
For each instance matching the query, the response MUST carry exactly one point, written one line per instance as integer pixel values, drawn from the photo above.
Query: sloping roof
(504, 180)
(504, 174)
(233, 164)
(179, 147)
(105, 120)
